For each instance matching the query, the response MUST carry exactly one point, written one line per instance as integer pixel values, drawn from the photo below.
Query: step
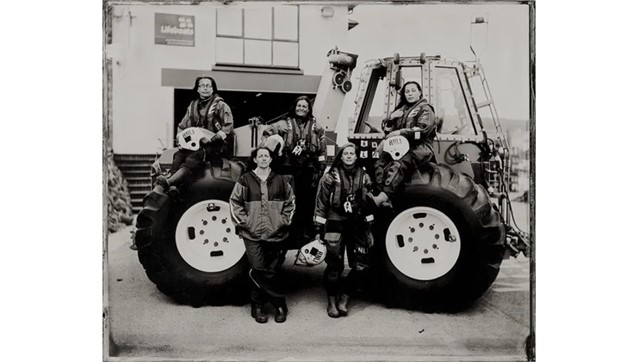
(139, 187)
(127, 157)
(131, 166)
(136, 173)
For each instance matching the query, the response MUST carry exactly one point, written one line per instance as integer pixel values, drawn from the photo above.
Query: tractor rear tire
(174, 271)
(442, 244)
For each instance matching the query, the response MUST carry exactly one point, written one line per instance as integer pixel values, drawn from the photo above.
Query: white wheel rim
(205, 237)
(423, 243)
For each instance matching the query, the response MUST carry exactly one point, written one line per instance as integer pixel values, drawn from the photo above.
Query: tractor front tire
(189, 249)
(442, 244)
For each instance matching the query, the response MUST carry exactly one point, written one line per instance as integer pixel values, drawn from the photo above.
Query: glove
(221, 134)
(297, 150)
(318, 237)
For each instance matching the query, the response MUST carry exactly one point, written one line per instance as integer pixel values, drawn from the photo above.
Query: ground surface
(143, 324)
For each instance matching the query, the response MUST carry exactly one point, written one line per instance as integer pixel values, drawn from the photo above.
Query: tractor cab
(469, 138)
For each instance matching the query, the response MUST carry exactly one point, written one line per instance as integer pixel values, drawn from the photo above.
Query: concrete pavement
(143, 324)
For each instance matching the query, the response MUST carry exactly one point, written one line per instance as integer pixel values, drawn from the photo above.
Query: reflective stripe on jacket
(330, 215)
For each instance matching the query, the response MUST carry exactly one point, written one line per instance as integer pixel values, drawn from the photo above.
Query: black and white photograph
(319, 181)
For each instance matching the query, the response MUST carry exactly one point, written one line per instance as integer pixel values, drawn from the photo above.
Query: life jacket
(295, 133)
(343, 187)
(196, 118)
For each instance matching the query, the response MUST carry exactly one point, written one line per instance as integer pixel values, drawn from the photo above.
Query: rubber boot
(280, 313)
(178, 177)
(342, 306)
(256, 312)
(332, 307)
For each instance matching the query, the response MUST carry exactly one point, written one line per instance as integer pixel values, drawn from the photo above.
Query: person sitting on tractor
(343, 221)
(209, 111)
(413, 118)
(303, 157)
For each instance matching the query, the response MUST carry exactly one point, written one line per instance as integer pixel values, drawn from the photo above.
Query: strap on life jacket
(295, 133)
(197, 118)
(339, 187)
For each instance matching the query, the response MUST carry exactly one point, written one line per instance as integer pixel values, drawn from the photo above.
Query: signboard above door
(173, 29)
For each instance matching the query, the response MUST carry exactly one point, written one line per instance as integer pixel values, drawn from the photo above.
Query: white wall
(318, 35)
(142, 108)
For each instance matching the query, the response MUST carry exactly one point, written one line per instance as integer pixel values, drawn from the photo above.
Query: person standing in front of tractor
(262, 207)
(207, 110)
(343, 222)
(304, 157)
(413, 118)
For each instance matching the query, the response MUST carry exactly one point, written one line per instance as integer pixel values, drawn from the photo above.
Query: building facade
(261, 55)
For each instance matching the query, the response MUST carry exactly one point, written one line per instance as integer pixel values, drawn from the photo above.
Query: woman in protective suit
(414, 119)
(303, 157)
(209, 111)
(343, 222)
(262, 206)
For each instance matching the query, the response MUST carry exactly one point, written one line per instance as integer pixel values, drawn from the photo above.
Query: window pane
(229, 21)
(450, 103)
(412, 74)
(258, 52)
(374, 104)
(285, 54)
(228, 50)
(285, 22)
(258, 23)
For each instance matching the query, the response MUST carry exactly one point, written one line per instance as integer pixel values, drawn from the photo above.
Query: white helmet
(311, 254)
(189, 139)
(272, 143)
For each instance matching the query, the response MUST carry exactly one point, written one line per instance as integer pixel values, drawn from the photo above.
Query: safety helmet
(275, 143)
(311, 254)
(189, 139)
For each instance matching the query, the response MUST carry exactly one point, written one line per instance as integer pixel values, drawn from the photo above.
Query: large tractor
(441, 244)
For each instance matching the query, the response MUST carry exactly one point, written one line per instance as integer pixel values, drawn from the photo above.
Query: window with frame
(262, 37)
(450, 102)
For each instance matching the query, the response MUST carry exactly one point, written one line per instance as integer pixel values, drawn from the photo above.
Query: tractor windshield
(450, 104)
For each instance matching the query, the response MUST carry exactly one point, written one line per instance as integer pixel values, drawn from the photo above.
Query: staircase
(136, 169)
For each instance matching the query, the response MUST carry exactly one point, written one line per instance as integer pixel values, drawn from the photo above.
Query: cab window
(450, 103)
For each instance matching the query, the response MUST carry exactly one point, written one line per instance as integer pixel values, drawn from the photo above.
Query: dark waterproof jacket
(310, 137)
(418, 123)
(215, 116)
(262, 210)
(334, 188)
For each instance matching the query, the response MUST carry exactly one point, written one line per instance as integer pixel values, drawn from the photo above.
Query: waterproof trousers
(305, 188)
(265, 260)
(356, 241)
(390, 174)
